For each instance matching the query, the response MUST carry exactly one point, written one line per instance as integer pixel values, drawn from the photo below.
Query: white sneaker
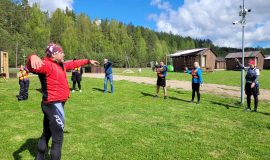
(73, 91)
(81, 91)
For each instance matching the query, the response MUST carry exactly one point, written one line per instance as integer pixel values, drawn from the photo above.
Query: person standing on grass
(252, 83)
(108, 75)
(197, 81)
(55, 90)
(76, 77)
(24, 83)
(161, 71)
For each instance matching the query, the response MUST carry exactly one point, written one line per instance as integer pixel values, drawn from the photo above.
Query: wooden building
(186, 58)
(4, 66)
(255, 55)
(266, 64)
(220, 63)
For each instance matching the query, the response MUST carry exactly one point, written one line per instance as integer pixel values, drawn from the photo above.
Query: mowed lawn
(131, 124)
(230, 78)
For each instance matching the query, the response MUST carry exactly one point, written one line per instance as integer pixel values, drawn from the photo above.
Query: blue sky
(127, 11)
(201, 19)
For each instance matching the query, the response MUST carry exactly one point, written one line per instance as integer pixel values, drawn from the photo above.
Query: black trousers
(24, 86)
(74, 85)
(196, 88)
(53, 126)
(252, 91)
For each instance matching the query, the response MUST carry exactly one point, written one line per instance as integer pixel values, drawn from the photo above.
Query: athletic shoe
(81, 91)
(73, 91)
(198, 102)
(248, 109)
(155, 96)
(191, 101)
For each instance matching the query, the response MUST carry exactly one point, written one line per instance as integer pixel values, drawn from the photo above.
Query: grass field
(130, 124)
(231, 78)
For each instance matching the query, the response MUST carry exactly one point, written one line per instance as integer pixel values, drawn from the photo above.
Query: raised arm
(187, 70)
(77, 63)
(36, 65)
(241, 65)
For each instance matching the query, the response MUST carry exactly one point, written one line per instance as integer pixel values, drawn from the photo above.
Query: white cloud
(212, 19)
(52, 5)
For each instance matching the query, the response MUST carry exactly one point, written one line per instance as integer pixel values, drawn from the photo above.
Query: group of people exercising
(55, 90)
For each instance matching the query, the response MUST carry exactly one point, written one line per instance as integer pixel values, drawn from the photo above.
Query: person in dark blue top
(108, 75)
(197, 81)
(252, 83)
(161, 71)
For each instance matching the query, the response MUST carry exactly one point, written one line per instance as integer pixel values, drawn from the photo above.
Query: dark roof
(220, 59)
(191, 52)
(250, 54)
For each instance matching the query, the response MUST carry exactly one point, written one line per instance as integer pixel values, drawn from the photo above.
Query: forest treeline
(26, 29)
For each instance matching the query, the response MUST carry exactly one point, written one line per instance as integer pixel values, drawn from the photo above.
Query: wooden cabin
(266, 64)
(186, 58)
(220, 63)
(255, 55)
(4, 66)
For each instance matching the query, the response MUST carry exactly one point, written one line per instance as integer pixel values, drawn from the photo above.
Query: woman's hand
(253, 85)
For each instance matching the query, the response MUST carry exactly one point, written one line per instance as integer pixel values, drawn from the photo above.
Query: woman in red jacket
(55, 90)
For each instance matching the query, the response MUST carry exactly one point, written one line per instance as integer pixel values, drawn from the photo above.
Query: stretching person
(197, 81)
(76, 77)
(161, 71)
(55, 90)
(108, 75)
(252, 83)
(24, 83)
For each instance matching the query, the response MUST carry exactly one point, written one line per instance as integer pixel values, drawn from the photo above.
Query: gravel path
(223, 90)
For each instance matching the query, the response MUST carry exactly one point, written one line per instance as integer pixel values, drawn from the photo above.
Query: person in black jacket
(76, 78)
(252, 83)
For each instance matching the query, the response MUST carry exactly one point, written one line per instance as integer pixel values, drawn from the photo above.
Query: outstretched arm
(77, 63)
(241, 65)
(36, 65)
(187, 70)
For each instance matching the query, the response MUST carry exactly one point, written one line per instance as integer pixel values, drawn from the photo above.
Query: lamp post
(242, 13)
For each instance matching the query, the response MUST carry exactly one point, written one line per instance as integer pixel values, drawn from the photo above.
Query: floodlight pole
(243, 53)
(242, 14)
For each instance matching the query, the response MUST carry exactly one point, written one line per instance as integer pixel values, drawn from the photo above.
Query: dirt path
(223, 90)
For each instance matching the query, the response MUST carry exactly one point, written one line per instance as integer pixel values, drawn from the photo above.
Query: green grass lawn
(231, 78)
(131, 124)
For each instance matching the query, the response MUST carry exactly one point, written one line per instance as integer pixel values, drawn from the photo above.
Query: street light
(242, 13)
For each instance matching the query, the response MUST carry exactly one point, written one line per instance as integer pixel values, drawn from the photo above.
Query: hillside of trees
(26, 29)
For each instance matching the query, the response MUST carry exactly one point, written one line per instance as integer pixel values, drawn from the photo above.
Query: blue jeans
(110, 78)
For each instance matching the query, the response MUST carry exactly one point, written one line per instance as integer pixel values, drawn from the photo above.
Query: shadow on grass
(29, 145)
(98, 89)
(179, 99)
(39, 90)
(264, 113)
(147, 94)
(228, 106)
(179, 91)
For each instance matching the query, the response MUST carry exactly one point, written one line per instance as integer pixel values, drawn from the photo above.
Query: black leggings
(196, 88)
(252, 91)
(74, 85)
(53, 126)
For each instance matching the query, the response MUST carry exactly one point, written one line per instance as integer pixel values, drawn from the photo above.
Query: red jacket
(53, 78)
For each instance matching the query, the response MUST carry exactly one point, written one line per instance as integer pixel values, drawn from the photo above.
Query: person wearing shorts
(161, 71)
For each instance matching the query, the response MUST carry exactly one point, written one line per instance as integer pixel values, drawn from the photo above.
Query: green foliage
(130, 124)
(82, 37)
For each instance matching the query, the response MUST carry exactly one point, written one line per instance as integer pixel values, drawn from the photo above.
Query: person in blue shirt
(161, 71)
(108, 75)
(197, 81)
